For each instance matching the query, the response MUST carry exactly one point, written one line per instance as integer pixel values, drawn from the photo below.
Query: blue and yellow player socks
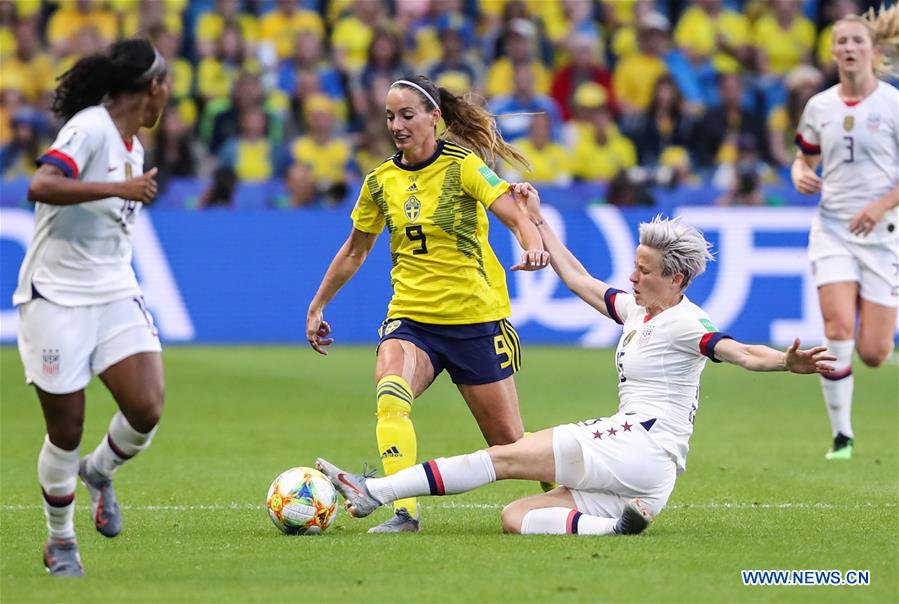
(395, 432)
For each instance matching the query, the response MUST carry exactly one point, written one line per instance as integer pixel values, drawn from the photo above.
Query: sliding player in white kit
(854, 240)
(616, 473)
(81, 312)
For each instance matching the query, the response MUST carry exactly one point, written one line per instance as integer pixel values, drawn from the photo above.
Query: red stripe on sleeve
(437, 477)
(66, 159)
(704, 343)
(806, 146)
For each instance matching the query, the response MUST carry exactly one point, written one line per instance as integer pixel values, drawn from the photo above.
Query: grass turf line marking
(13, 507)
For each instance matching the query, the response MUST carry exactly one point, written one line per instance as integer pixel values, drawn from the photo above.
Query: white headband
(156, 68)
(420, 89)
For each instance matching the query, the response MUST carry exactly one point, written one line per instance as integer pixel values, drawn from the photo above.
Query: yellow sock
(395, 433)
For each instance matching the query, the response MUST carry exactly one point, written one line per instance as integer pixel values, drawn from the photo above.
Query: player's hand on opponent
(868, 217)
(140, 188)
(812, 360)
(805, 180)
(528, 200)
(317, 331)
(532, 260)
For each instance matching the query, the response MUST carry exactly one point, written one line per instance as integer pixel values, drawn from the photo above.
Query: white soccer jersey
(659, 361)
(81, 254)
(859, 148)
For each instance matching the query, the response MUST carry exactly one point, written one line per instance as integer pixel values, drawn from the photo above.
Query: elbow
(35, 190)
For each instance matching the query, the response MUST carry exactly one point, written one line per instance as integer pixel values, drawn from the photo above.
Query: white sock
(121, 443)
(565, 521)
(443, 476)
(837, 387)
(57, 471)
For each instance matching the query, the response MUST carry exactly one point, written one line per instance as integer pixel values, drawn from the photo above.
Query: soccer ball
(302, 501)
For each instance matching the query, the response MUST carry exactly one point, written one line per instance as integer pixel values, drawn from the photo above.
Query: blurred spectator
(454, 63)
(664, 123)
(630, 188)
(221, 116)
(519, 44)
(17, 157)
(70, 18)
(422, 41)
(352, 35)
(181, 71)
(550, 162)
(375, 145)
(834, 10)
(709, 30)
(636, 74)
(175, 151)
(252, 156)
(743, 177)
(675, 168)
(210, 26)
(28, 64)
(783, 38)
(220, 193)
(600, 150)
(281, 25)
(217, 72)
(584, 65)
(802, 83)
(717, 134)
(515, 111)
(329, 157)
(385, 59)
(300, 186)
(309, 56)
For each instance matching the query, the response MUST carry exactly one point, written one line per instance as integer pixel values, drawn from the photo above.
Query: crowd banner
(247, 276)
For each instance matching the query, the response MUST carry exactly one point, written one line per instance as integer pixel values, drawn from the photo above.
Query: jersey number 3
(415, 233)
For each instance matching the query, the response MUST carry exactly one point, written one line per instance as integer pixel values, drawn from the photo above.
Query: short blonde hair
(683, 247)
(883, 27)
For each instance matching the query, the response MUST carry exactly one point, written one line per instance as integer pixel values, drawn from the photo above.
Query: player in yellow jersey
(450, 304)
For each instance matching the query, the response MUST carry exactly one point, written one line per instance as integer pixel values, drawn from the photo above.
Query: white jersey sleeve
(808, 136)
(620, 304)
(74, 147)
(698, 336)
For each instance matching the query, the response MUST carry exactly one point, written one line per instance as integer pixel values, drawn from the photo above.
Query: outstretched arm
(51, 186)
(756, 357)
(345, 264)
(567, 266)
(535, 256)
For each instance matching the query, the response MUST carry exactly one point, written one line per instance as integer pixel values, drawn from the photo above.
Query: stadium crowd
(628, 92)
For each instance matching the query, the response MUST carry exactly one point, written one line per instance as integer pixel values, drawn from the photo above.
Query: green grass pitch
(757, 493)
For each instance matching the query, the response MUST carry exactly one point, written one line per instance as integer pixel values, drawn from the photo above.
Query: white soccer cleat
(359, 502)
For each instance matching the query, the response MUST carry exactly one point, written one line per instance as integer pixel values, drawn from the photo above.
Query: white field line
(13, 507)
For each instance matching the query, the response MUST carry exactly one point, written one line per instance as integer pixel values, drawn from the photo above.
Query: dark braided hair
(124, 67)
(466, 122)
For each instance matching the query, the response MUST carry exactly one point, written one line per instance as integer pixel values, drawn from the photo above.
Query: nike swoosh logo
(341, 478)
(111, 169)
(824, 124)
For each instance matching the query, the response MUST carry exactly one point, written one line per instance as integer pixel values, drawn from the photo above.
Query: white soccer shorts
(62, 347)
(609, 461)
(837, 256)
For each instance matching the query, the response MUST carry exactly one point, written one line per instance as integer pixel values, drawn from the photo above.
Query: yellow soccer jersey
(444, 270)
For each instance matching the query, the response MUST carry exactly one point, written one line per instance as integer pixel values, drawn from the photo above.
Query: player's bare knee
(839, 328)
(874, 356)
(512, 516)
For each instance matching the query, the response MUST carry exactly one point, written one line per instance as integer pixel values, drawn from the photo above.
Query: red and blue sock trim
(574, 518)
(435, 479)
(58, 501)
(836, 376)
(115, 448)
